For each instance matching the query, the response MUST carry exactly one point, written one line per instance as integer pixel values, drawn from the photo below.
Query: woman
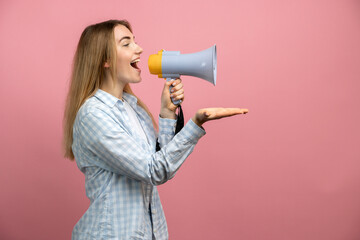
(111, 134)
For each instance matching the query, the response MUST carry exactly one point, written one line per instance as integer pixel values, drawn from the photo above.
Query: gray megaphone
(172, 64)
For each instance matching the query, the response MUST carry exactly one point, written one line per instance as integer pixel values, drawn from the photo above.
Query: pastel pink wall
(290, 169)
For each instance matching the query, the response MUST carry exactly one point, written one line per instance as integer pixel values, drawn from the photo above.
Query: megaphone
(172, 64)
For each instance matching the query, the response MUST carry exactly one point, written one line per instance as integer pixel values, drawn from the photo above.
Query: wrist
(196, 121)
(166, 113)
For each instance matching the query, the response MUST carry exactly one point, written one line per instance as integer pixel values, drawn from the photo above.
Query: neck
(113, 87)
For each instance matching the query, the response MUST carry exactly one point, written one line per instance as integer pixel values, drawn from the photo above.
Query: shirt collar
(111, 100)
(131, 99)
(106, 98)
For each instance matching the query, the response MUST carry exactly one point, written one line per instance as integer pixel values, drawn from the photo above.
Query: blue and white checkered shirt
(122, 169)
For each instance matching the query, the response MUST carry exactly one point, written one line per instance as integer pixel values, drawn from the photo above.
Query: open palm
(208, 114)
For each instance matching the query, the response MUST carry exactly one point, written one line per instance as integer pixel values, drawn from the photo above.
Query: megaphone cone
(172, 64)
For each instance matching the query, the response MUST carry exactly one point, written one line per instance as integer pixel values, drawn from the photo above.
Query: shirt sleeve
(111, 147)
(166, 130)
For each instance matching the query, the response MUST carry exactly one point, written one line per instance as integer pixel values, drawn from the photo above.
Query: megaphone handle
(176, 102)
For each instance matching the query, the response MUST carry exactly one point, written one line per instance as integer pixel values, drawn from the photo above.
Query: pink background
(289, 169)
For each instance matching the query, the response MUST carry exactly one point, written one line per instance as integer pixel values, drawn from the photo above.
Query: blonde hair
(96, 46)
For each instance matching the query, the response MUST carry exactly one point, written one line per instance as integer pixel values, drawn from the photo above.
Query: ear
(106, 65)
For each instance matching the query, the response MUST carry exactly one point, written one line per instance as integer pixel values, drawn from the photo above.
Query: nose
(139, 50)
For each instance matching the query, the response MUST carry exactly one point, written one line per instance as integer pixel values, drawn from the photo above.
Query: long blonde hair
(96, 46)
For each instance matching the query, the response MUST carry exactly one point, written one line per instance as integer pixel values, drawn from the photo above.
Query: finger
(227, 112)
(235, 110)
(176, 82)
(179, 97)
(174, 94)
(169, 83)
(230, 111)
(216, 113)
(166, 88)
(242, 111)
(245, 111)
(177, 87)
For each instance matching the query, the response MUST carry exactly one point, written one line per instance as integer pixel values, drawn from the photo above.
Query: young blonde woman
(112, 136)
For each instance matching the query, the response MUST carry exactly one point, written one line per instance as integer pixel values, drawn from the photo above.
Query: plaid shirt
(122, 169)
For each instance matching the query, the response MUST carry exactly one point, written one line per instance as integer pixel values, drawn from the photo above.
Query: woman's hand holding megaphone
(168, 108)
(208, 114)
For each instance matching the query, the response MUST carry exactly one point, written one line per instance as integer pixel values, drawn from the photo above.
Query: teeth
(135, 61)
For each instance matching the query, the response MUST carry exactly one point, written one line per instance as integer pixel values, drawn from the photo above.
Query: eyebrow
(126, 37)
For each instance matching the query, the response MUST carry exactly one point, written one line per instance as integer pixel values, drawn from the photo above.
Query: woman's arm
(167, 117)
(107, 145)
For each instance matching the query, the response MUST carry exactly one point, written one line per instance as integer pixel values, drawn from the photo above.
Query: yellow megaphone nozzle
(155, 63)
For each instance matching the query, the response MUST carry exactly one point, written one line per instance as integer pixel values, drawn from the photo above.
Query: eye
(126, 45)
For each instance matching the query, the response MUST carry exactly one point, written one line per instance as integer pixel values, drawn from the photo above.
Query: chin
(136, 80)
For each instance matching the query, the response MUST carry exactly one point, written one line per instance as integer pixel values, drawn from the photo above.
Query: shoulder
(92, 110)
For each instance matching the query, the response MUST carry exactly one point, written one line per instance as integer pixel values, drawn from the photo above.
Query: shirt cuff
(167, 125)
(192, 131)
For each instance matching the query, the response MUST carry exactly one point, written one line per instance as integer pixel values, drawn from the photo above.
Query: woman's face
(128, 56)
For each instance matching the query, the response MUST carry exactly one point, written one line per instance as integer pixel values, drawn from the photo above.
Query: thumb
(168, 84)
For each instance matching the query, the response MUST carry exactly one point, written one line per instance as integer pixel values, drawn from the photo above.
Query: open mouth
(134, 64)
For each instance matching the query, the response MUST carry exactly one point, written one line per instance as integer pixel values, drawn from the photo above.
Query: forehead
(121, 31)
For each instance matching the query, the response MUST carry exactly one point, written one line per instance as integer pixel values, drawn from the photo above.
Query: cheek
(123, 62)
(122, 67)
